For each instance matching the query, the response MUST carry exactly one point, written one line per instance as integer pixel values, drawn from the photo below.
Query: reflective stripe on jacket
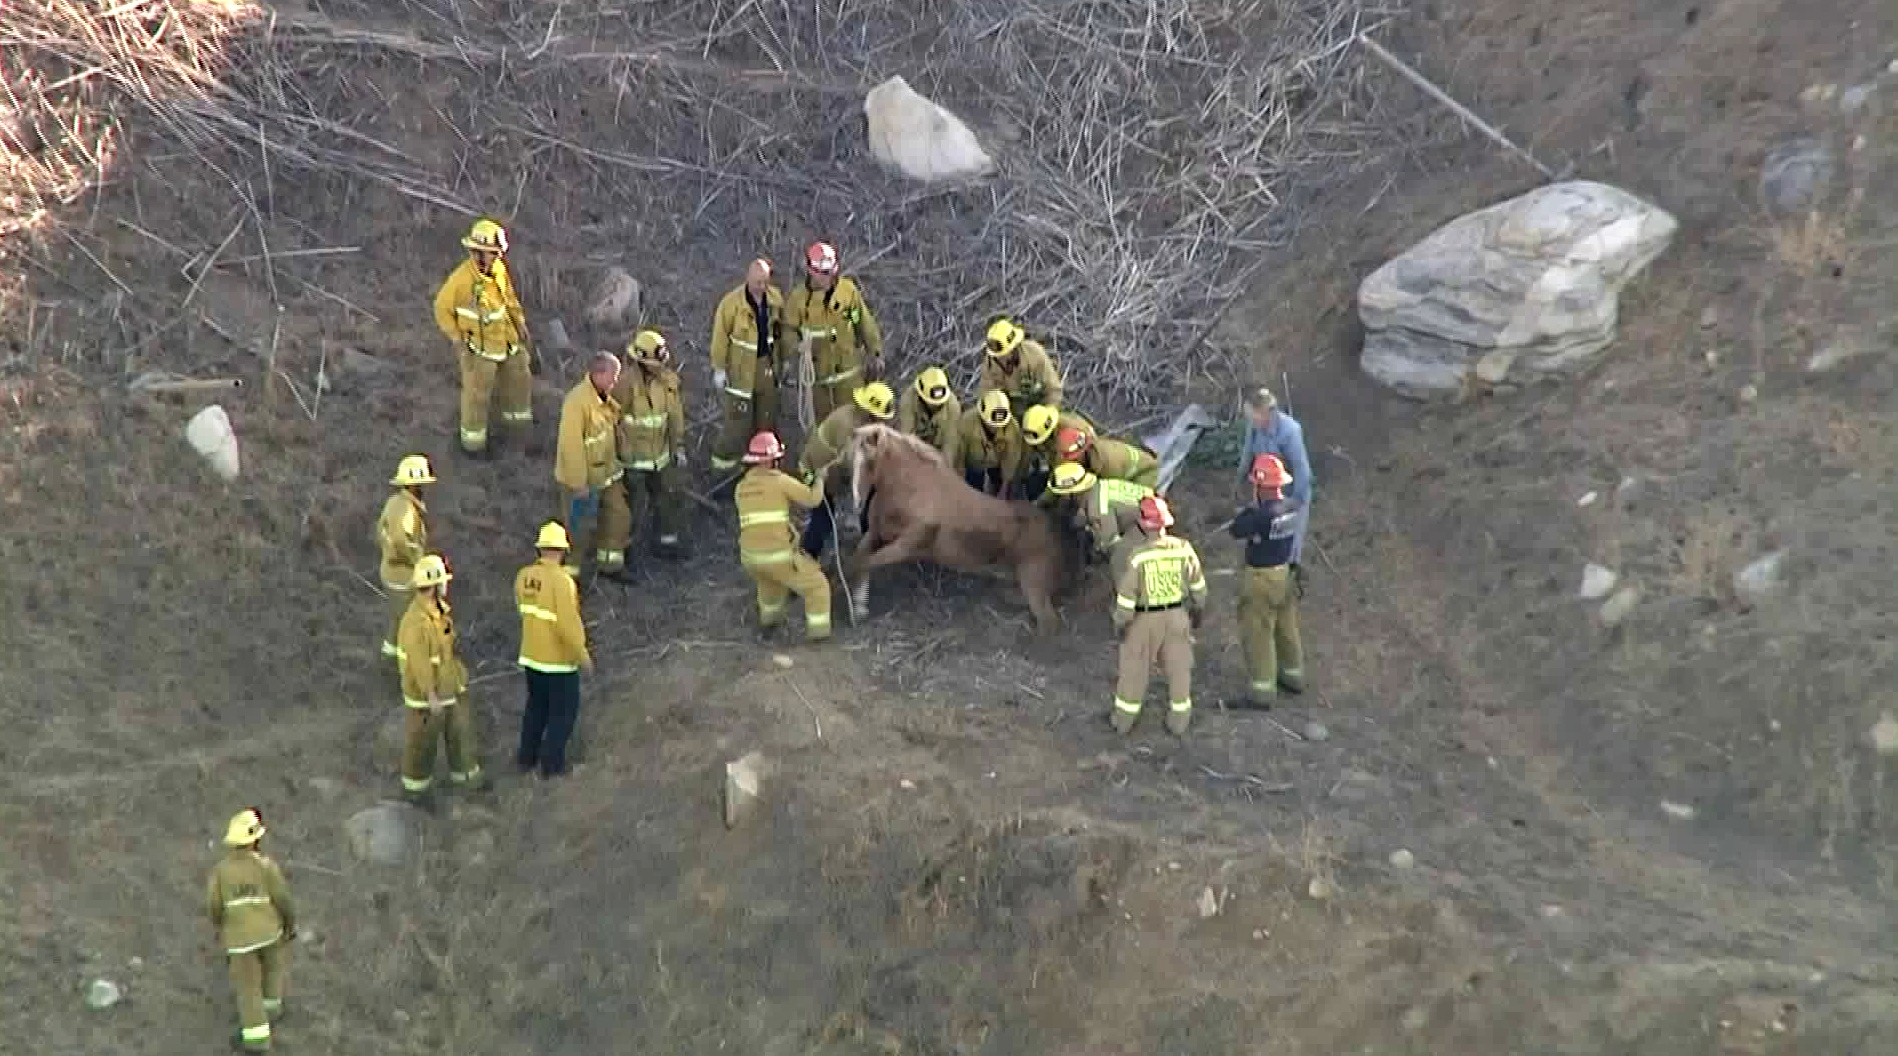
(764, 498)
(735, 339)
(480, 312)
(553, 638)
(939, 427)
(1034, 379)
(402, 536)
(652, 418)
(1157, 573)
(587, 455)
(425, 647)
(248, 901)
(840, 326)
(981, 449)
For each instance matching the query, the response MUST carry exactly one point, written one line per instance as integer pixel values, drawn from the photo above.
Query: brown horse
(922, 510)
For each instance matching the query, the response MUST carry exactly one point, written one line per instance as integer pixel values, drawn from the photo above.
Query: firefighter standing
(1268, 605)
(402, 536)
(835, 328)
(767, 545)
(747, 356)
(652, 436)
(1155, 577)
(479, 312)
(1019, 367)
(825, 446)
(1108, 458)
(587, 468)
(1105, 509)
(930, 412)
(251, 913)
(1038, 427)
(433, 683)
(553, 654)
(992, 447)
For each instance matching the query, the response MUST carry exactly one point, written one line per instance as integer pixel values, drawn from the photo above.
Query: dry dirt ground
(957, 856)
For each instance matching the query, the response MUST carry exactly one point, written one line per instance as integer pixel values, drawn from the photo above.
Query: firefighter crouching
(1019, 367)
(402, 536)
(249, 905)
(553, 654)
(825, 446)
(652, 436)
(587, 468)
(930, 412)
(1105, 510)
(992, 449)
(747, 358)
(1268, 602)
(835, 328)
(767, 543)
(1156, 576)
(1108, 458)
(434, 681)
(1038, 427)
(477, 309)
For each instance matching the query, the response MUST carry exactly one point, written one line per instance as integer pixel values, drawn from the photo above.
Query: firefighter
(767, 545)
(1273, 432)
(1155, 576)
(747, 358)
(402, 535)
(254, 923)
(930, 412)
(992, 447)
(825, 447)
(835, 328)
(433, 683)
(1108, 458)
(1268, 606)
(553, 653)
(1019, 367)
(652, 436)
(479, 312)
(587, 468)
(1038, 426)
(1106, 510)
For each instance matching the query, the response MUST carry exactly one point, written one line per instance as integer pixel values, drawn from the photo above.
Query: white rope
(807, 386)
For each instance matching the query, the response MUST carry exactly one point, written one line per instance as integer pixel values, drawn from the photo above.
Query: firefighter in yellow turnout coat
(827, 314)
(930, 412)
(553, 654)
(1108, 458)
(749, 347)
(1160, 595)
(249, 904)
(1105, 509)
(1019, 367)
(991, 447)
(587, 468)
(652, 436)
(1038, 427)
(477, 309)
(433, 683)
(767, 543)
(402, 536)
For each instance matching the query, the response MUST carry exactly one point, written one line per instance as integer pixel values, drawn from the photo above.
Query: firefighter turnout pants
(746, 415)
(1268, 631)
(553, 707)
(504, 386)
(1164, 637)
(257, 982)
(657, 490)
(797, 573)
(399, 598)
(424, 732)
(600, 521)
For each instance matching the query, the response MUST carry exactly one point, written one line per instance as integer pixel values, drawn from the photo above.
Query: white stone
(1597, 581)
(920, 139)
(209, 434)
(743, 779)
(1619, 606)
(1316, 732)
(1208, 903)
(1760, 577)
(1885, 735)
(1493, 368)
(782, 660)
(1538, 277)
(1319, 888)
(103, 994)
(1588, 498)
(1402, 859)
(1678, 811)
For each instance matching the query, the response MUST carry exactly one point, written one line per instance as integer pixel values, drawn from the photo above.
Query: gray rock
(1620, 606)
(355, 361)
(557, 338)
(1317, 731)
(743, 778)
(383, 834)
(1597, 581)
(615, 304)
(1853, 99)
(1493, 368)
(1760, 578)
(1628, 490)
(1795, 176)
(103, 994)
(1838, 349)
(1402, 859)
(1537, 277)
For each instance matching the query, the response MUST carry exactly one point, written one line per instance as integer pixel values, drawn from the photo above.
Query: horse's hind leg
(1037, 580)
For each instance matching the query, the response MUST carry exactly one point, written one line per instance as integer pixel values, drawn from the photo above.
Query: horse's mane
(877, 434)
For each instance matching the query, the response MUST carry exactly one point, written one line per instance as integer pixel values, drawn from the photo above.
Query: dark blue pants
(822, 525)
(553, 705)
(1033, 484)
(984, 480)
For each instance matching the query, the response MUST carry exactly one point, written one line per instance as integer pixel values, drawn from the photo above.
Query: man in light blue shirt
(1273, 432)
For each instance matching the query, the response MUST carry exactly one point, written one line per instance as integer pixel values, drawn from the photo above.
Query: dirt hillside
(955, 854)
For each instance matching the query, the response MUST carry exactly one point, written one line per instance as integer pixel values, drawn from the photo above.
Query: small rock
(1551, 910)
(1712, 356)
(1795, 175)
(1677, 811)
(1260, 934)
(557, 339)
(1416, 1017)
(135, 963)
(1885, 735)
(1402, 859)
(1853, 99)
(355, 361)
(1709, 317)
(906, 785)
(1597, 581)
(1628, 490)
(1838, 349)
(742, 780)
(1588, 499)
(1759, 578)
(1316, 731)
(1493, 368)
(1749, 393)
(103, 994)
(615, 302)
(1173, 867)
(1320, 889)
(1618, 607)
(1773, 726)
(781, 660)
(384, 833)
(1208, 903)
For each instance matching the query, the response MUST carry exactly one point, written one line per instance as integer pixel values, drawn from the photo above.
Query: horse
(919, 509)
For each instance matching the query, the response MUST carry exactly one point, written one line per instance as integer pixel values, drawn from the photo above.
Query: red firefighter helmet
(1154, 514)
(765, 447)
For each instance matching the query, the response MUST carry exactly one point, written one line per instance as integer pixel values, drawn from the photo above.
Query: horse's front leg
(857, 571)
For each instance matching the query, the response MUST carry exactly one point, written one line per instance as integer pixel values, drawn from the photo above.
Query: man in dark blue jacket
(1268, 605)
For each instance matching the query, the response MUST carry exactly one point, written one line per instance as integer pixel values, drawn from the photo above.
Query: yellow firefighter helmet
(413, 470)
(875, 398)
(552, 537)
(486, 236)
(1070, 478)
(1038, 422)
(246, 828)
(932, 387)
(431, 571)
(1003, 337)
(995, 410)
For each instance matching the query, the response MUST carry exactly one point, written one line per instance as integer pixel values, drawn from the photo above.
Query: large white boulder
(919, 139)
(1538, 277)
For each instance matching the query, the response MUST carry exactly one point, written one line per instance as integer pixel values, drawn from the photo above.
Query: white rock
(1208, 903)
(920, 139)
(781, 660)
(1709, 317)
(1837, 350)
(906, 785)
(1402, 859)
(1760, 578)
(1588, 498)
(135, 963)
(1677, 811)
(1749, 393)
(1628, 490)
(384, 833)
(743, 778)
(1316, 731)
(615, 304)
(1538, 276)
(1597, 581)
(1493, 368)
(1320, 888)
(1617, 607)
(103, 994)
(209, 434)
(1885, 735)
